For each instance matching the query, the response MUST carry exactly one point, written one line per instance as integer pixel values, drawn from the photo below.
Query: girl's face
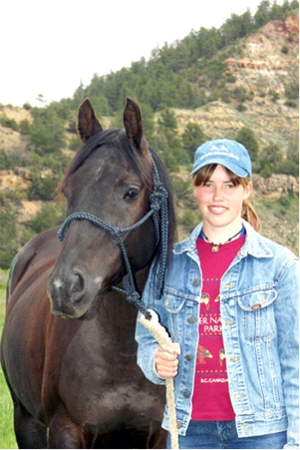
(220, 202)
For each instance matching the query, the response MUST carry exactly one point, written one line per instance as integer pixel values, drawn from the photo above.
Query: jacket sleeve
(147, 345)
(287, 320)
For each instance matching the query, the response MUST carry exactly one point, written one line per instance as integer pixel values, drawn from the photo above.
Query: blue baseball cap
(230, 154)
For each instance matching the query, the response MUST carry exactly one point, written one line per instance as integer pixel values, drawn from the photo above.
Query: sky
(49, 48)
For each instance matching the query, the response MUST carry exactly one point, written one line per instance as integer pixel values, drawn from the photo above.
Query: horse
(68, 350)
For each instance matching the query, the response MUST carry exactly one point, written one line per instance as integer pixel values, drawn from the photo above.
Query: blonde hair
(248, 212)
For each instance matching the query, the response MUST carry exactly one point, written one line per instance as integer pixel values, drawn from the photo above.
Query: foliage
(267, 12)
(74, 143)
(48, 217)
(247, 137)
(270, 159)
(9, 123)
(292, 88)
(290, 165)
(192, 138)
(168, 142)
(24, 126)
(12, 159)
(8, 244)
(47, 130)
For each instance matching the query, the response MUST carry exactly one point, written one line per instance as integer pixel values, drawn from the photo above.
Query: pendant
(215, 248)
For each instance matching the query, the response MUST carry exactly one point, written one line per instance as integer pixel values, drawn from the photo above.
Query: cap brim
(239, 171)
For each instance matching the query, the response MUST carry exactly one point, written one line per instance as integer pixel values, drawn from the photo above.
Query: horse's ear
(88, 123)
(133, 122)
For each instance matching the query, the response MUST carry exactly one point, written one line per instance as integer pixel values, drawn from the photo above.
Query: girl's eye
(230, 186)
(132, 193)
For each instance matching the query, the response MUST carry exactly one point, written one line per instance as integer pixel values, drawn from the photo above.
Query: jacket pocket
(174, 305)
(258, 321)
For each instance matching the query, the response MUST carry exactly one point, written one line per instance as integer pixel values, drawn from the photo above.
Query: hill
(246, 89)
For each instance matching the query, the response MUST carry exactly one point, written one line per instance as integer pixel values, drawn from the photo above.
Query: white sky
(49, 47)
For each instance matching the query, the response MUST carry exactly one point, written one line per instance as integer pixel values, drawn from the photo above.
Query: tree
(237, 27)
(247, 137)
(262, 14)
(168, 120)
(192, 137)
(47, 130)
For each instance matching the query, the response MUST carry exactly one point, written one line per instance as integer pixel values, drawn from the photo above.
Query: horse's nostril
(77, 285)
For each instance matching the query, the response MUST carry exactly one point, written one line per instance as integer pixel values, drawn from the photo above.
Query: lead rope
(165, 344)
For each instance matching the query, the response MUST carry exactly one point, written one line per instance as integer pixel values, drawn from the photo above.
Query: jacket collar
(255, 244)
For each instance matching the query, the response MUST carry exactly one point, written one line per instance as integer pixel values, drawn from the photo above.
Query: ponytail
(250, 215)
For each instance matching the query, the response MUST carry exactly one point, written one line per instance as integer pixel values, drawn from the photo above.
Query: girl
(230, 305)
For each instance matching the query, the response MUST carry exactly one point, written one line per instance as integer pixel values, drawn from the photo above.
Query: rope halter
(158, 202)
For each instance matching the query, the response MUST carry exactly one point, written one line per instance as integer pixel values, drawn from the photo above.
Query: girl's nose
(218, 192)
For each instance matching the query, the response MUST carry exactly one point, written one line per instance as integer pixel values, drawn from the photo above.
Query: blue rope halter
(158, 201)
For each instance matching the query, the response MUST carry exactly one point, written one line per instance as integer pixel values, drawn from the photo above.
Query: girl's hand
(166, 364)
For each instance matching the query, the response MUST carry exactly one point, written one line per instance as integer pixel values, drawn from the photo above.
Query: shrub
(247, 137)
(5, 260)
(192, 138)
(27, 106)
(292, 89)
(74, 143)
(275, 95)
(291, 103)
(9, 123)
(8, 219)
(241, 107)
(47, 130)
(270, 157)
(48, 217)
(24, 126)
(285, 49)
(289, 167)
(42, 188)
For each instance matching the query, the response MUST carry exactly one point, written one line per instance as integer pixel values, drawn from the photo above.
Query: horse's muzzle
(67, 292)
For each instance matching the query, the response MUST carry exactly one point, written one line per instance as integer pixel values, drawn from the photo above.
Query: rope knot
(133, 297)
(158, 197)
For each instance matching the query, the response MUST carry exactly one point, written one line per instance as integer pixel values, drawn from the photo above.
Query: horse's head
(110, 179)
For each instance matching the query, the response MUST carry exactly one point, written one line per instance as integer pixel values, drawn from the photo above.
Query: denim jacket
(259, 314)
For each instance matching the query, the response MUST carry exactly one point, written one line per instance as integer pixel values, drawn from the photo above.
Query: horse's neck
(116, 314)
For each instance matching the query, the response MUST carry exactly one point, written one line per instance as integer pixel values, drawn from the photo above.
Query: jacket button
(188, 357)
(191, 319)
(179, 425)
(196, 282)
(186, 394)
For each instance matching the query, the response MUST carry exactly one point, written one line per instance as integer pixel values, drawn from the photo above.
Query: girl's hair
(248, 212)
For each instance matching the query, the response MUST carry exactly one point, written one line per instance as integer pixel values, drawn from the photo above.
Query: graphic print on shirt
(202, 354)
(210, 331)
(211, 399)
(205, 299)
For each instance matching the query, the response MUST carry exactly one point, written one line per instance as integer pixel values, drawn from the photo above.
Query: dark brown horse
(68, 350)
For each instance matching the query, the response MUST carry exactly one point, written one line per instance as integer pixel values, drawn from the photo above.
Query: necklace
(215, 247)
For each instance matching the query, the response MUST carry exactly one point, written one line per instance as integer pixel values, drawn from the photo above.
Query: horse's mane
(118, 138)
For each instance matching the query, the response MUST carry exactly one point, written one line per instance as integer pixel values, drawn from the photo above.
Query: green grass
(7, 436)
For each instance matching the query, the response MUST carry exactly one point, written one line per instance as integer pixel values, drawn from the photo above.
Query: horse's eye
(132, 193)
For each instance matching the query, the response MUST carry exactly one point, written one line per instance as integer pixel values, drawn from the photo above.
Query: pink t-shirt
(211, 399)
